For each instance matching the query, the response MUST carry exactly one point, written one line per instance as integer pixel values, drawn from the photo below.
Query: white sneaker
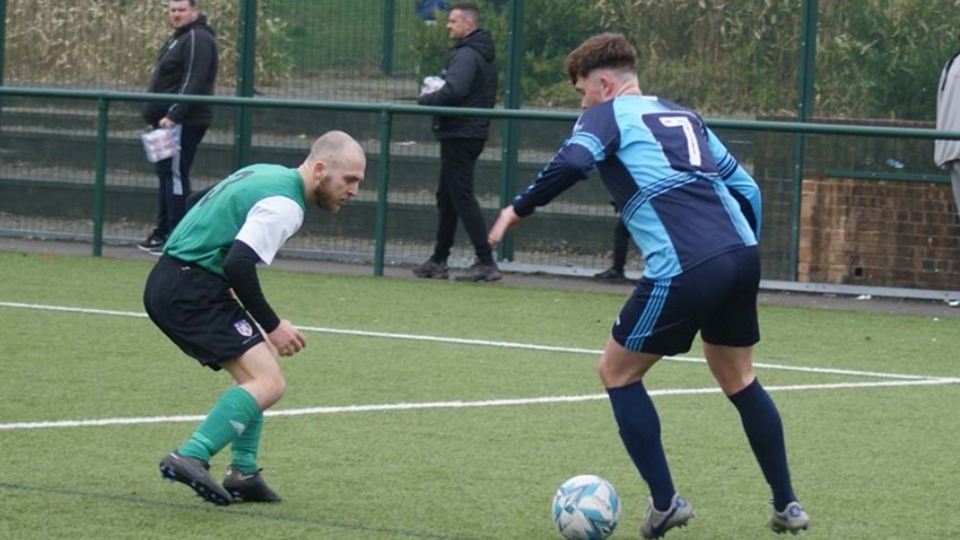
(792, 519)
(657, 523)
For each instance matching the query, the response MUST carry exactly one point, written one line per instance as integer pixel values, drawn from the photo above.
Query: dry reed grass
(113, 43)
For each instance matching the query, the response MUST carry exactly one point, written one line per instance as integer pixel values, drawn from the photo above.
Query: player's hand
(507, 220)
(166, 122)
(287, 339)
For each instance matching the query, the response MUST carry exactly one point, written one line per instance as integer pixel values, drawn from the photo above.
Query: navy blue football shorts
(194, 308)
(718, 298)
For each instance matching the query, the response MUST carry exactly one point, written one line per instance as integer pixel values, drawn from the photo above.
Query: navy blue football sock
(640, 432)
(761, 422)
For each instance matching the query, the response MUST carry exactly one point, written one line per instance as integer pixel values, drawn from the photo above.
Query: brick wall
(879, 233)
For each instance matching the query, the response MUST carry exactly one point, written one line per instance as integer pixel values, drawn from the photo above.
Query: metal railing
(387, 113)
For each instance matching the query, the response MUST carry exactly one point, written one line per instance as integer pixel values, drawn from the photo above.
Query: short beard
(324, 199)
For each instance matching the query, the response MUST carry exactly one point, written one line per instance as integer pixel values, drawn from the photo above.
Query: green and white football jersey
(261, 205)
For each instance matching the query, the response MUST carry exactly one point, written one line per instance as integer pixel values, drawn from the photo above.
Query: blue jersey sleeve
(741, 185)
(595, 137)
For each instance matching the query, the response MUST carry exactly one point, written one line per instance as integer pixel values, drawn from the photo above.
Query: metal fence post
(3, 47)
(100, 182)
(383, 184)
(805, 78)
(389, 20)
(3, 36)
(246, 60)
(511, 127)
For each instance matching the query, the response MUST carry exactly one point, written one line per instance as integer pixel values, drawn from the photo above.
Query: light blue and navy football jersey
(682, 195)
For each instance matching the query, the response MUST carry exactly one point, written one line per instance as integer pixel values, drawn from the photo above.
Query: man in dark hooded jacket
(469, 80)
(187, 64)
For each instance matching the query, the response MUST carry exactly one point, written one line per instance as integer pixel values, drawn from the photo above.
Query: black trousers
(456, 200)
(174, 177)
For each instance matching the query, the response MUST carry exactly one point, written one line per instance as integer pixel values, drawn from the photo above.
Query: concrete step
(132, 198)
(414, 166)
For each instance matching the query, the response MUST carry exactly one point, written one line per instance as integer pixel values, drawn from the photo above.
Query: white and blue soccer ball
(586, 507)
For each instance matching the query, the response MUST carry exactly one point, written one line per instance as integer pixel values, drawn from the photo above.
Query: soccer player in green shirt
(204, 294)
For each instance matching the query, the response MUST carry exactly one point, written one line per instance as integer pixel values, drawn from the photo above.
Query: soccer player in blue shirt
(694, 212)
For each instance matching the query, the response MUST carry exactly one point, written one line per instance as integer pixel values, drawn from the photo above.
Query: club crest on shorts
(243, 327)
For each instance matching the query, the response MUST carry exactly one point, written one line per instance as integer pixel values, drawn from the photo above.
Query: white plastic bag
(431, 84)
(159, 144)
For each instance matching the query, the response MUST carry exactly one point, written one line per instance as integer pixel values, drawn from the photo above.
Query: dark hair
(471, 9)
(608, 51)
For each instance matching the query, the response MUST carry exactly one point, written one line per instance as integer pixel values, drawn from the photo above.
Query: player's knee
(269, 389)
(278, 387)
(619, 367)
(610, 375)
(603, 372)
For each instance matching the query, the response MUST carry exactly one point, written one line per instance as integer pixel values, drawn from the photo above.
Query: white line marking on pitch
(486, 343)
(450, 404)
(88, 311)
(905, 380)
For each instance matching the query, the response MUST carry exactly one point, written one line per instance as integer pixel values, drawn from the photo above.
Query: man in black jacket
(469, 80)
(187, 64)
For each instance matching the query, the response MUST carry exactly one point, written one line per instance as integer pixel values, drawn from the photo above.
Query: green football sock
(245, 446)
(229, 418)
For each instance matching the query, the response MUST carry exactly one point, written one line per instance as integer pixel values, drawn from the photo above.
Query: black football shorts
(195, 309)
(718, 298)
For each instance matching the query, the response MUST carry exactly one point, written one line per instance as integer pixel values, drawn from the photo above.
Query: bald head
(333, 171)
(333, 147)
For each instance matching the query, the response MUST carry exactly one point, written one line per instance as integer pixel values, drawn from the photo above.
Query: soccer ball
(586, 507)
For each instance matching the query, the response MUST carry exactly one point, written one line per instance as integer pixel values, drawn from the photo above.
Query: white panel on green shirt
(261, 205)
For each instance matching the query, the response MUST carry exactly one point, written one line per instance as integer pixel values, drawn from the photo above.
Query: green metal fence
(52, 187)
(774, 77)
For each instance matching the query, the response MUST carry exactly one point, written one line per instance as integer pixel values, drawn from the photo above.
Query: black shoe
(611, 274)
(481, 272)
(248, 487)
(431, 270)
(153, 243)
(193, 472)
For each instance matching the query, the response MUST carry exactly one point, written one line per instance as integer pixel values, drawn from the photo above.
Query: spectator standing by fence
(187, 64)
(469, 80)
(947, 152)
